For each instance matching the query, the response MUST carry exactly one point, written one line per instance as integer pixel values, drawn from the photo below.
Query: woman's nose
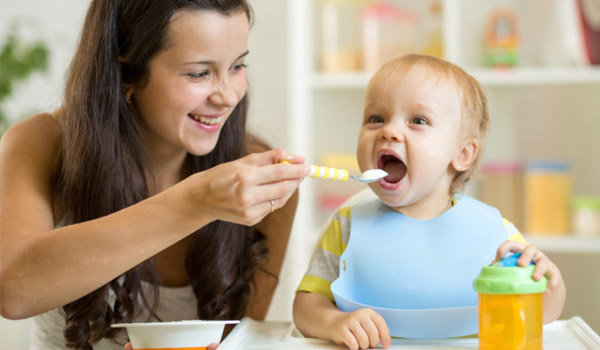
(223, 94)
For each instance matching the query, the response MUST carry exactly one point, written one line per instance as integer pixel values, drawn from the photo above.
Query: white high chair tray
(571, 334)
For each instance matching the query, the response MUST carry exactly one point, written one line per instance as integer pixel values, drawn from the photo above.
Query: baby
(421, 243)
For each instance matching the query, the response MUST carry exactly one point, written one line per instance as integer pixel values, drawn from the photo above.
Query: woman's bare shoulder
(36, 136)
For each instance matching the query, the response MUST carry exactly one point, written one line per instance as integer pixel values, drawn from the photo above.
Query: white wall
(56, 23)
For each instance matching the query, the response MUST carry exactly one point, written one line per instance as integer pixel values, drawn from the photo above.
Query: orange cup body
(510, 321)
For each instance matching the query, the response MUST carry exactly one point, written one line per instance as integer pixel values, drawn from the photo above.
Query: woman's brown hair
(101, 166)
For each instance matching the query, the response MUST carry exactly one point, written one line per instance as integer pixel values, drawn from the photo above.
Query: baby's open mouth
(395, 168)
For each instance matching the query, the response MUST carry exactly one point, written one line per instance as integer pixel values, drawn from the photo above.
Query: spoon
(333, 174)
(342, 175)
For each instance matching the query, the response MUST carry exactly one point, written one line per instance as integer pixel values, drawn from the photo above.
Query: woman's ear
(466, 155)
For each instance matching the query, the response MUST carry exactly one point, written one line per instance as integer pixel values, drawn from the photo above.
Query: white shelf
(489, 77)
(538, 76)
(565, 243)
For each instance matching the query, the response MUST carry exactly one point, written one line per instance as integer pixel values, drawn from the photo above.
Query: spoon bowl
(370, 175)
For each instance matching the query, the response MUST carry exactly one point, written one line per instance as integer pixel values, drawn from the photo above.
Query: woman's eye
(419, 120)
(239, 66)
(198, 75)
(375, 119)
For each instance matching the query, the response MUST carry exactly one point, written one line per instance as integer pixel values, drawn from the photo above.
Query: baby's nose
(392, 132)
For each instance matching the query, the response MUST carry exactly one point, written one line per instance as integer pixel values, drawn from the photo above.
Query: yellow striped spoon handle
(334, 174)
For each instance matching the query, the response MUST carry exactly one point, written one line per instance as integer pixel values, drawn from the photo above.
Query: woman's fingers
(128, 346)
(274, 156)
(275, 182)
(283, 155)
(280, 171)
(244, 191)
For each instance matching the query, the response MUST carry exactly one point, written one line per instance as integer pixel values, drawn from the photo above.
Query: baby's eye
(198, 75)
(375, 119)
(419, 120)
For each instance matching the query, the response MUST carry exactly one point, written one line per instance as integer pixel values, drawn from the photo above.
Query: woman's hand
(543, 265)
(360, 329)
(246, 190)
(211, 346)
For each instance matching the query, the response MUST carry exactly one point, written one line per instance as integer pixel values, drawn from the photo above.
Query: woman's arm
(42, 268)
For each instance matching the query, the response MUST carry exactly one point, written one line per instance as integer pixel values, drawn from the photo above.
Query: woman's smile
(210, 123)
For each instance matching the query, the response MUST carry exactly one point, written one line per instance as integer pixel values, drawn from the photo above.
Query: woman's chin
(201, 149)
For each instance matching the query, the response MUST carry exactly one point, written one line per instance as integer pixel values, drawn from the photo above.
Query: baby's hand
(361, 329)
(543, 265)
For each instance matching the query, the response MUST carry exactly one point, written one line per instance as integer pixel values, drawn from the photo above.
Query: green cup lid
(505, 277)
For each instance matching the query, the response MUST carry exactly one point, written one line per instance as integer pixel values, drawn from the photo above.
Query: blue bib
(418, 274)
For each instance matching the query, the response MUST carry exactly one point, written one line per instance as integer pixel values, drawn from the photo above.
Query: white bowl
(174, 335)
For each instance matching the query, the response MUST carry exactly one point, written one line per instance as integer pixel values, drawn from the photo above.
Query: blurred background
(309, 63)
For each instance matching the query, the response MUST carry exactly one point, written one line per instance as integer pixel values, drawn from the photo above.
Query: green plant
(17, 62)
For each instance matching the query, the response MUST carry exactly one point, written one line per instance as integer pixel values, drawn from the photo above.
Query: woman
(137, 200)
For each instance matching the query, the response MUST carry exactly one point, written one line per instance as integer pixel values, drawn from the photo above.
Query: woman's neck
(165, 170)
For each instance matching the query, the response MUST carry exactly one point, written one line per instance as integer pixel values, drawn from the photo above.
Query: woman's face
(194, 83)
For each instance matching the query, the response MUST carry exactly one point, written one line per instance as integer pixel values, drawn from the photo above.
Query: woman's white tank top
(175, 304)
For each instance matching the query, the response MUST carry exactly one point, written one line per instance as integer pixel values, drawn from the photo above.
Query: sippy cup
(510, 306)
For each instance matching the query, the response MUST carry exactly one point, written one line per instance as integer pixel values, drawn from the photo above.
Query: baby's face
(411, 128)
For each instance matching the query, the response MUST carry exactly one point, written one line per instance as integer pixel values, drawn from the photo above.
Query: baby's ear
(466, 155)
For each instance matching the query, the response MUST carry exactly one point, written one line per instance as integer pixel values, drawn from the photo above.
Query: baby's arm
(316, 316)
(555, 295)
(315, 313)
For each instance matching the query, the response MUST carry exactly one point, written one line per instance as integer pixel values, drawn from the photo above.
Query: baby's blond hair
(474, 104)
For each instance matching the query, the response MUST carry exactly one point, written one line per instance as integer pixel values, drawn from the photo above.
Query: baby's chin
(389, 199)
